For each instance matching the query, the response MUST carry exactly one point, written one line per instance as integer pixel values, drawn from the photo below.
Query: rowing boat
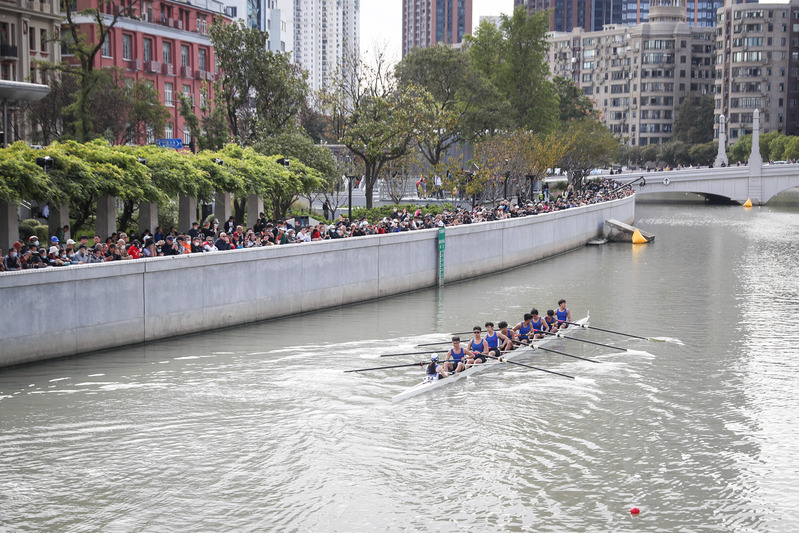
(427, 386)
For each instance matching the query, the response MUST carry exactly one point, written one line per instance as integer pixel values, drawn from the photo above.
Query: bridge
(758, 182)
(754, 181)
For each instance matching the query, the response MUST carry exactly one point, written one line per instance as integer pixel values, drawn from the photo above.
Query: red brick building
(166, 42)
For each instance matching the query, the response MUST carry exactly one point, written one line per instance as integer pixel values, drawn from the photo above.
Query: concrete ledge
(76, 309)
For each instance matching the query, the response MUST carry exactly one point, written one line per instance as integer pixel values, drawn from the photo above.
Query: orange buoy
(748, 203)
(638, 238)
(635, 510)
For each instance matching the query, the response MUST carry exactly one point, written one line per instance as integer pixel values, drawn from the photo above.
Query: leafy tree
(777, 146)
(512, 58)
(262, 91)
(704, 154)
(675, 153)
(694, 121)
(740, 151)
(460, 107)
(379, 120)
(48, 118)
(210, 130)
(792, 148)
(573, 104)
(299, 147)
(21, 178)
(146, 110)
(591, 145)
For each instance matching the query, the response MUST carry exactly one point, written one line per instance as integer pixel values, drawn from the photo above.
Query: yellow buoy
(748, 203)
(638, 238)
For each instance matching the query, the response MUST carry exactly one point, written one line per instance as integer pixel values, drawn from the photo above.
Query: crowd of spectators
(62, 251)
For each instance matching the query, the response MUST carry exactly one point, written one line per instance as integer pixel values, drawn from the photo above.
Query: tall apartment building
(638, 76)
(325, 33)
(426, 23)
(757, 67)
(276, 17)
(593, 15)
(165, 42)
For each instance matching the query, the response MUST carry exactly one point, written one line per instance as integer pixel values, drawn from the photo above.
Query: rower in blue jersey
(524, 328)
(497, 341)
(539, 326)
(563, 314)
(478, 347)
(455, 356)
(507, 335)
(551, 321)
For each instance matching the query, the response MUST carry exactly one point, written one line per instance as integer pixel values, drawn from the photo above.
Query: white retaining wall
(76, 309)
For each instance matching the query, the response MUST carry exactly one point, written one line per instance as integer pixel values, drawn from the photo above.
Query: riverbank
(78, 309)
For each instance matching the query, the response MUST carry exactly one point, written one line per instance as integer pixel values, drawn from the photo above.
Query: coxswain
(524, 328)
(455, 355)
(539, 326)
(478, 347)
(551, 321)
(563, 314)
(434, 370)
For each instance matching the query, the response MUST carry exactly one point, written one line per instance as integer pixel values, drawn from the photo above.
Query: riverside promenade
(78, 309)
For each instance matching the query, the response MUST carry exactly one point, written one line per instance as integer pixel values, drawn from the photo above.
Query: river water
(258, 428)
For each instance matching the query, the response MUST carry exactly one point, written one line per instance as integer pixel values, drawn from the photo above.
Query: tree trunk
(126, 216)
(239, 208)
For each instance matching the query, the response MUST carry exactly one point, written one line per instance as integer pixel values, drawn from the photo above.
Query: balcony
(9, 51)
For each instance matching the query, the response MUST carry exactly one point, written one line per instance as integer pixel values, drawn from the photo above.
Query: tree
(460, 108)
(512, 57)
(21, 178)
(146, 110)
(84, 49)
(379, 120)
(210, 130)
(262, 91)
(675, 153)
(47, 117)
(573, 104)
(704, 154)
(591, 145)
(694, 121)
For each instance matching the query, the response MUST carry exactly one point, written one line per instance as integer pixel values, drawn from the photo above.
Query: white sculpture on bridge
(721, 157)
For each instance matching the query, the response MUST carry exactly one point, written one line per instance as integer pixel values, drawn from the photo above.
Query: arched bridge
(758, 183)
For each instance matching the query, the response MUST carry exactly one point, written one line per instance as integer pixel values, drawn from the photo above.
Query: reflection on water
(257, 428)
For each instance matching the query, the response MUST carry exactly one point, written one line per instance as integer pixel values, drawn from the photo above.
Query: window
(31, 40)
(147, 49)
(106, 48)
(184, 55)
(42, 40)
(187, 94)
(127, 47)
(186, 136)
(168, 97)
(169, 130)
(166, 52)
(202, 60)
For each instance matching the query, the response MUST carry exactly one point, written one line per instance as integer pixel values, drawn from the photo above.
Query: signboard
(177, 144)
(441, 246)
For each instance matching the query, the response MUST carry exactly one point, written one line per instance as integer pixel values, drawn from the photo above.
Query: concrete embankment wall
(77, 309)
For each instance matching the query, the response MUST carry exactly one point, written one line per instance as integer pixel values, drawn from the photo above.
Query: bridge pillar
(721, 157)
(756, 163)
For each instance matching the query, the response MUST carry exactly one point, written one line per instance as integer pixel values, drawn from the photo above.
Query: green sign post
(441, 246)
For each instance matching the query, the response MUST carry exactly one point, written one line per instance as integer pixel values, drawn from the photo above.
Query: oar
(530, 366)
(382, 367)
(406, 353)
(585, 326)
(562, 336)
(433, 343)
(535, 347)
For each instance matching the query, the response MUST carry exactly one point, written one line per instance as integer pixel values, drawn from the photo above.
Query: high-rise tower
(429, 22)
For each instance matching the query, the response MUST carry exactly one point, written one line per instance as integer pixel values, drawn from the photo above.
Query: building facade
(166, 43)
(594, 15)
(638, 76)
(276, 17)
(757, 67)
(27, 33)
(326, 33)
(426, 23)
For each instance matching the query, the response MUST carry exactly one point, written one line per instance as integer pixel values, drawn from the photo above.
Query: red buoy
(635, 510)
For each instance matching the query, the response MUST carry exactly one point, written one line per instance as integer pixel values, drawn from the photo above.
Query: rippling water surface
(259, 429)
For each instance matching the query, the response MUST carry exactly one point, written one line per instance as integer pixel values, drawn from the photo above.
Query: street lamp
(46, 162)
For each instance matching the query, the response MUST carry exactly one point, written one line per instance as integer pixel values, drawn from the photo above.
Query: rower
(478, 347)
(455, 356)
(539, 326)
(524, 328)
(506, 335)
(563, 314)
(434, 371)
(550, 320)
